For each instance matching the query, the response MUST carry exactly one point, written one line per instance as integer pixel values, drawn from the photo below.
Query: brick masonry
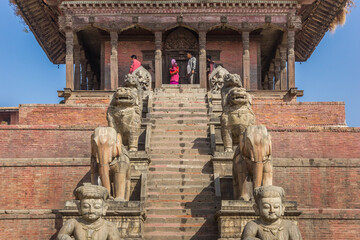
(54, 141)
(59, 135)
(267, 112)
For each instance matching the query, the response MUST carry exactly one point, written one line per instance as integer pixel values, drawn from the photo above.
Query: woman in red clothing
(174, 72)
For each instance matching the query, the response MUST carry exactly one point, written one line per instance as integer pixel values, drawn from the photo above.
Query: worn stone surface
(235, 214)
(237, 113)
(269, 206)
(124, 114)
(110, 163)
(91, 225)
(252, 162)
(216, 79)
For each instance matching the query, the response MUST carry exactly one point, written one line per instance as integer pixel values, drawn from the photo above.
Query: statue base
(235, 214)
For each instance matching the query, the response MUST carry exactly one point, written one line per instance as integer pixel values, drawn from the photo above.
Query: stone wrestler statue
(91, 225)
(269, 206)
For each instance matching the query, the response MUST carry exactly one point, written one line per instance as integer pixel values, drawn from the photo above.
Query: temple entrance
(177, 44)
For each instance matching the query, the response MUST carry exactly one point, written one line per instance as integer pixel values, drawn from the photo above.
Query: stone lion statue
(216, 79)
(237, 114)
(252, 161)
(124, 114)
(144, 78)
(132, 81)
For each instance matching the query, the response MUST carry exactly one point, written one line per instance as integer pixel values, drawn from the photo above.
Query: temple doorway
(178, 42)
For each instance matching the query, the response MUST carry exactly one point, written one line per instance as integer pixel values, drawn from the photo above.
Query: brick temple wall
(268, 113)
(46, 156)
(125, 50)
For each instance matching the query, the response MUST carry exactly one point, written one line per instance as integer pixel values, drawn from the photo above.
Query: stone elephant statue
(110, 163)
(252, 162)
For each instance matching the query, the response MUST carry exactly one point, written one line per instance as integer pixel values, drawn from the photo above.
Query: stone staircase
(181, 200)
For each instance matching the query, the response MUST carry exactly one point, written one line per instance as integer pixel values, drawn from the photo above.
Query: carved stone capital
(294, 22)
(202, 40)
(158, 40)
(291, 39)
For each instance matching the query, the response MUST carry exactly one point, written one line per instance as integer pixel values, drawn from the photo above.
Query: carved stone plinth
(235, 214)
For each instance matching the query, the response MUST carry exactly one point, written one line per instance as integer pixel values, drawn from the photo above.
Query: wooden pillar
(158, 59)
(114, 67)
(271, 74)
(283, 72)
(89, 75)
(69, 59)
(102, 66)
(259, 66)
(277, 73)
(291, 58)
(246, 59)
(202, 59)
(83, 62)
(77, 65)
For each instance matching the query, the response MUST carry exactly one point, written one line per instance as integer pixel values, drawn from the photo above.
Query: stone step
(180, 144)
(178, 183)
(179, 105)
(181, 220)
(165, 204)
(185, 230)
(180, 156)
(179, 99)
(181, 212)
(182, 128)
(169, 150)
(178, 139)
(176, 197)
(173, 115)
(180, 121)
(179, 109)
(180, 189)
(180, 102)
(178, 93)
(180, 163)
(179, 176)
(193, 133)
(180, 236)
(182, 169)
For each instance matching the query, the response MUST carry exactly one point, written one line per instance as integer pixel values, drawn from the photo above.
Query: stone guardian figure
(269, 206)
(124, 114)
(110, 162)
(91, 226)
(252, 161)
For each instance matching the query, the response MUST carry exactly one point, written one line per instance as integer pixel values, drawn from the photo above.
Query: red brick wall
(24, 141)
(323, 187)
(44, 142)
(299, 113)
(267, 113)
(63, 115)
(29, 228)
(230, 56)
(324, 229)
(40, 187)
(316, 143)
(125, 50)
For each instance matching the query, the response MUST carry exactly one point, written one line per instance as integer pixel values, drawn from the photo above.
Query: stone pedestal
(235, 214)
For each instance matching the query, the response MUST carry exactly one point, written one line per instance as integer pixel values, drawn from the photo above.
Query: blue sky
(331, 73)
